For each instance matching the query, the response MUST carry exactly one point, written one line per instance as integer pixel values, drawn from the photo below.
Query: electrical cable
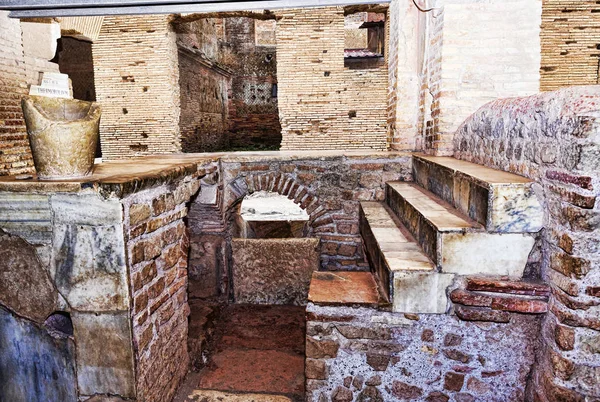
(422, 9)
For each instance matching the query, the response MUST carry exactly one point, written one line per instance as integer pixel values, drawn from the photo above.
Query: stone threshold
(121, 177)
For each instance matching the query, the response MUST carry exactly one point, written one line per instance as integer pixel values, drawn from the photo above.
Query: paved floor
(256, 354)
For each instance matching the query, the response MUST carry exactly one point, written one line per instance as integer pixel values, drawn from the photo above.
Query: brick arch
(283, 184)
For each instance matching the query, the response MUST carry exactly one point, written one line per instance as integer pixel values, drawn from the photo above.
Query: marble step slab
(407, 276)
(454, 242)
(503, 202)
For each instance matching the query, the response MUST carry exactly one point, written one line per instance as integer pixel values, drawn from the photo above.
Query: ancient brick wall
(136, 74)
(204, 104)
(553, 139)
(323, 105)
(15, 154)
(403, 67)
(253, 112)
(495, 55)
(570, 43)
(158, 245)
(366, 354)
(204, 83)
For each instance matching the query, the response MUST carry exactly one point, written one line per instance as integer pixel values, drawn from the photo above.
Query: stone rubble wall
(137, 86)
(322, 104)
(360, 354)
(570, 43)
(158, 246)
(554, 139)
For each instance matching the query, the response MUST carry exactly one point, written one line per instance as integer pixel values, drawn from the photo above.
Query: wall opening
(364, 39)
(74, 57)
(267, 215)
(228, 83)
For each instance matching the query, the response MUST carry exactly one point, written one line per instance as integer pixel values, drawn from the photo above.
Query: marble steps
(502, 202)
(406, 276)
(454, 242)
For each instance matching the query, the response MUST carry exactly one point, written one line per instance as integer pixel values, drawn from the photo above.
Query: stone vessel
(63, 134)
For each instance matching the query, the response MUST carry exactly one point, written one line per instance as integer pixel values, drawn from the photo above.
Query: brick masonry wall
(322, 105)
(570, 43)
(204, 86)
(253, 112)
(495, 55)
(157, 244)
(204, 104)
(365, 354)
(137, 85)
(15, 154)
(553, 139)
(328, 188)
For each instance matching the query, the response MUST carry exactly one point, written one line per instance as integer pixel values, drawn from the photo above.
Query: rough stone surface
(34, 366)
(273, 271)
(104, 354)
(25, 286)
(433, 358)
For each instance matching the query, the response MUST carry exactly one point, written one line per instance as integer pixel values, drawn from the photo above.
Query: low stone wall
(554, 138)
(360, 354)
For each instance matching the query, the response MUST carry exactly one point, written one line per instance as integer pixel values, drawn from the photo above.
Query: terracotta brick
(138, 213)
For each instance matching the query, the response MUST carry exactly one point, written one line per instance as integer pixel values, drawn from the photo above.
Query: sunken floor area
(254, 353)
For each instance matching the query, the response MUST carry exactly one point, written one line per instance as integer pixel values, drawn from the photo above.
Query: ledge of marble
(122, 177)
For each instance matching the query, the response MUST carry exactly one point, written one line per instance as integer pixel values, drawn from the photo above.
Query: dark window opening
(364, 40)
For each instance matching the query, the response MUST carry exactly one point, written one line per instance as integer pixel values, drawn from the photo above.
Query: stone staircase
(455, 221)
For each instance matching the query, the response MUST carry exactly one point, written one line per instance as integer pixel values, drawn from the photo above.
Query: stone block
(89, 267)
(421, 292)
(26, 215)
(485, 253)
(104, 354)
(85, 209)
(273, 271)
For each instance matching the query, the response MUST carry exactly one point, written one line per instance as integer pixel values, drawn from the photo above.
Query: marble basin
(63, 134)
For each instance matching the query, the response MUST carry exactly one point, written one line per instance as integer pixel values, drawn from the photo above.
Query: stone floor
(256, 353)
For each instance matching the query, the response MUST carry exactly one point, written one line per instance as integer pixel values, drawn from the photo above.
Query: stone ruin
(437, 243)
